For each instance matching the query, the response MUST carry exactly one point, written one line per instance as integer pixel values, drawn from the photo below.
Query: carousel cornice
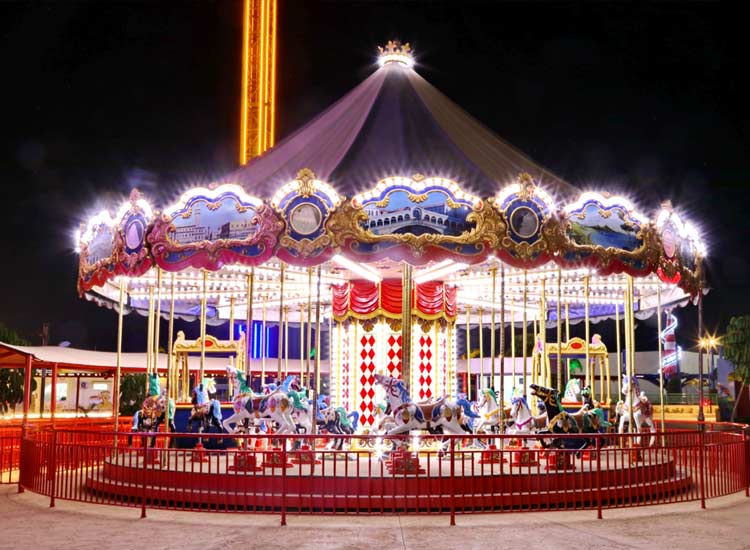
(230, 234)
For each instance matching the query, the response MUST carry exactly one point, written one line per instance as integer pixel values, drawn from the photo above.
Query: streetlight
(702, 346)
(709, 343)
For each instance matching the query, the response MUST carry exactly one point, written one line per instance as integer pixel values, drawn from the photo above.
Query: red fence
(10, 439)
(405, 475)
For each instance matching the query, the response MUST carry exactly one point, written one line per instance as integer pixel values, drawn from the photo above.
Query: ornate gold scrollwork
(345, 224)
(305, 179)
(305, 247)
(393, 324)
(425, 324)
(368, 325)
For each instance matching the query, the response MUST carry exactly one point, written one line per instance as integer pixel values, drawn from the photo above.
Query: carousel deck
(357, 482)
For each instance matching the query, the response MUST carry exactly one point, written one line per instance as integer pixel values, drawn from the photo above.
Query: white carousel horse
(444, 413)
(643, 411)
(276, 406)
(572, 391)
(524, 422)
(490, 412)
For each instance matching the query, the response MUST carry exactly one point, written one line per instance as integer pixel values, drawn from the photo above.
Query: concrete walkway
(28, 522)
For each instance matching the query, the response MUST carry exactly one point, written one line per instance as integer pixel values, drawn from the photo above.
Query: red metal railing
(10, 439)
(430, 474)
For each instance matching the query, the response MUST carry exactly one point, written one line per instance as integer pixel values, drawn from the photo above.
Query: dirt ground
(28, 522)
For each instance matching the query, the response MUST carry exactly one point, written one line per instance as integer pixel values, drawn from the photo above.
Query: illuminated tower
(257, 132)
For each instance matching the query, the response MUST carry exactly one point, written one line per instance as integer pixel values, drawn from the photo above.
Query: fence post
(453, 481)
(144, 447)
(702, 464)
(283, 481)
(746, 462)
(53, 467)
(21, 461)
(598, 477)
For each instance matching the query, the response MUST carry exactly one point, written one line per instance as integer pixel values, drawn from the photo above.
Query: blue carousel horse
(206, 408)
(469, 416)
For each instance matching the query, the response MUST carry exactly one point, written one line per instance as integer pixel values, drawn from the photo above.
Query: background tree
(11, 380)
(132, 393)
(736, 343)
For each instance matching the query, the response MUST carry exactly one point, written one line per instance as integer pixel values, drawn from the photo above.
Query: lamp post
(702, 345)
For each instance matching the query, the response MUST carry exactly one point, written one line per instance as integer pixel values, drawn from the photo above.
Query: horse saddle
(256, 404)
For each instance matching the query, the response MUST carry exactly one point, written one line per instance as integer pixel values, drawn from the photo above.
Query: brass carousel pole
(513, 343)
(280, 346)
(567, 339)
(303, 375)
(492, 329)
(524, 330)
(589, 378)
(204, 306)
(170, 343)
(543, 335)
(339, 337)
(231, 327)
(150, 335)
(330, 350)
(157, 320)
(308, 345)
(661, 370)
(502, 347)
(286, 341)
(118, 368)
(250, 284)
(629, 349)
(468, 353)
(263, 345)
(317, 336)
(559, 330)
(617, 349)
(480, 380)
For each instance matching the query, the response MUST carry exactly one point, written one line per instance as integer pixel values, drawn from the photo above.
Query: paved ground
(28, 522)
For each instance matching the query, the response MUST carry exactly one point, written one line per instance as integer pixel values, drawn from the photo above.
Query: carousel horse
(586, 398)
(276, 406)
(469, 416)
(572, 391)
(490, 412)
(643, 411)
(153, 411)
(338, 422)
(206, 408)
(442, 416)
(302, 412)
(559, 421)
(384, 420)
(522, 420)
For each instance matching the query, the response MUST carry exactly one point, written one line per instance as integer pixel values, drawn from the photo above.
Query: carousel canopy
(394, 173)
(394, 122)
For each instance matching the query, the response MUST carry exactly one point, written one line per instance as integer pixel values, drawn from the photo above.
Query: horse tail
(354, 415)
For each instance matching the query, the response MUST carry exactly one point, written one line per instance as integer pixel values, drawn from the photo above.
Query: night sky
(101, 97)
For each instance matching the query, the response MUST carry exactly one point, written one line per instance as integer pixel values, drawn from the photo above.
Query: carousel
(395, 240)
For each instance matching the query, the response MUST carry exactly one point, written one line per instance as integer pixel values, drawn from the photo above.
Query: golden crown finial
(395, 52)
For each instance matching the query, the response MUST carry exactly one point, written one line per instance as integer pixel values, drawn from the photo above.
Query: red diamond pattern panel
(425, 367)
(366, 370)
(393, 355)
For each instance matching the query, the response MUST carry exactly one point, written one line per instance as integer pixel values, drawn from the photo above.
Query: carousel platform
(357, 482)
